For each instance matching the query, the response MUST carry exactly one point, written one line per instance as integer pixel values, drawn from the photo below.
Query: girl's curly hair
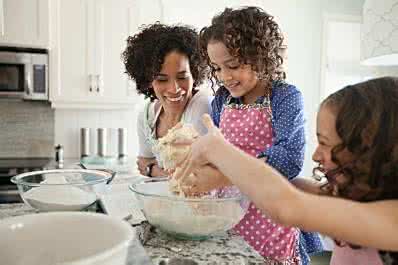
(251, 35)
(367, 123)
(145, 53)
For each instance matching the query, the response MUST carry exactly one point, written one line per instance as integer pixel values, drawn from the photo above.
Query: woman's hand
(143, 162)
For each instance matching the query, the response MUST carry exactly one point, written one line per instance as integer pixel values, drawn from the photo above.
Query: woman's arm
(145, 155)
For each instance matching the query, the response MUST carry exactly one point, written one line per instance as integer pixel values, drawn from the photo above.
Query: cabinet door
(24, 23)
(116, 20)
(89, 38)
(71, 62)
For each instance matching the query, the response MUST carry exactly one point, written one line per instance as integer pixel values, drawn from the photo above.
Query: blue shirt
(286, 154)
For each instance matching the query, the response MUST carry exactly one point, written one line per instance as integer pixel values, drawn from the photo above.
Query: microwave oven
(24, 73)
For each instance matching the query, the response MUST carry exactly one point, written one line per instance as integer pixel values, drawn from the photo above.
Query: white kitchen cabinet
(24, 23)
(86, 66)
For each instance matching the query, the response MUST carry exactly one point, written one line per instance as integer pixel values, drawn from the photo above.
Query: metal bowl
(188, 218)
(61, 189)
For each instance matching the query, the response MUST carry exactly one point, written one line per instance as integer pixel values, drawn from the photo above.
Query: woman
(164, 62)
(357, 129)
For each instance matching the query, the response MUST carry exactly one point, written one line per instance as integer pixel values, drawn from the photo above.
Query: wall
(68, 123)
(301, 20)
(27, 129)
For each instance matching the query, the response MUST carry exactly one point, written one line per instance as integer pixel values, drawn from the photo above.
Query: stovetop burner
(26, 162)
(12, 166)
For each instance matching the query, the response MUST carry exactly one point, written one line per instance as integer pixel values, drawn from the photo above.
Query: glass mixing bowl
(188, 218)
(61, 189)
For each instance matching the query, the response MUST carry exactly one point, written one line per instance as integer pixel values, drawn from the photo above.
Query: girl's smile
(239, 79)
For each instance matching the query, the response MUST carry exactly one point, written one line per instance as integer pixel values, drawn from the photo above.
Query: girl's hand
(200, 149)
(205, 178)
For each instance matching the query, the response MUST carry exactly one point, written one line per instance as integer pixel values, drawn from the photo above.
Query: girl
(357, 130)
(257, 112)
(164, 62)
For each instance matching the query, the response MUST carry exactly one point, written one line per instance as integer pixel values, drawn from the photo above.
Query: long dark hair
(367, 123)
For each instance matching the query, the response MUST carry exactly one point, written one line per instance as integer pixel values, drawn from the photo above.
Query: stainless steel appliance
(24, 73)
(10, 167)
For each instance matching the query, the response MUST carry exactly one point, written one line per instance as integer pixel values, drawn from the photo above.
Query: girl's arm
(287, 152)
(372, 224)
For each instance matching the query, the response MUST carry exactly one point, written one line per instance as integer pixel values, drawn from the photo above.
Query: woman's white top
(148, 115)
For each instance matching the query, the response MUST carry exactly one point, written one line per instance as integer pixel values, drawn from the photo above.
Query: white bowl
(61, 189)
(188, 218)
(67, 238)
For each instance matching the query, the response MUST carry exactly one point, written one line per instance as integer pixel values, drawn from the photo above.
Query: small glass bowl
(61, 189)
(188, 218)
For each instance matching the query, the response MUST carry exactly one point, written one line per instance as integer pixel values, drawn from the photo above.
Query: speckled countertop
(225, 248)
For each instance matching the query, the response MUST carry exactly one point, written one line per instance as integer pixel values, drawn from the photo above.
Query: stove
(10, 167)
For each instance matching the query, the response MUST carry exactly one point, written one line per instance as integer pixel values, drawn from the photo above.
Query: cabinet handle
(2, 30)
(90, 77)
(98, 83)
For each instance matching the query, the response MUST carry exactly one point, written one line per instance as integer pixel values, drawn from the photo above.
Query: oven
(10, 167)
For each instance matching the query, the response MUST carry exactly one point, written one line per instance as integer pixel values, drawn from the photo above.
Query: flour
(190, 218)
(59, 197)
(191, 222)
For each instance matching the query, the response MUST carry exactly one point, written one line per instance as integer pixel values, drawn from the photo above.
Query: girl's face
(239, 79)
(173, 84)
(327, 138)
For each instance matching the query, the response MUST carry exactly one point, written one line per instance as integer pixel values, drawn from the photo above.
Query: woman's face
(239, 79)
(173, 84)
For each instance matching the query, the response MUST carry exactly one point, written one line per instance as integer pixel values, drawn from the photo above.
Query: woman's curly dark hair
(251, 35)
(145, 53)
(367, 123)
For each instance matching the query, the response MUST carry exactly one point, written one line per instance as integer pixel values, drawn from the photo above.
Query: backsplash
(69, 121)
(27, 128)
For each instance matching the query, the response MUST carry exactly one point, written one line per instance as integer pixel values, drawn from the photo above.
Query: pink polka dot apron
(249, 128)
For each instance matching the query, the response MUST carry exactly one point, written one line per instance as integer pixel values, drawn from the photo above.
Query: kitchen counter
(227, 248)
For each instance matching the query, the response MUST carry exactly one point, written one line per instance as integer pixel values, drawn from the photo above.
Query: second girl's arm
(368, 224)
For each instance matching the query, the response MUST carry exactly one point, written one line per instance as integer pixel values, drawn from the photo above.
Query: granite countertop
(227, 248)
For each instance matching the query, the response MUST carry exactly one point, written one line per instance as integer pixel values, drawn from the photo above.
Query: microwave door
(12, 74)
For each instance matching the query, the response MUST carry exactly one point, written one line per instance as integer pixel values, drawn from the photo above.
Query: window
(341, 54)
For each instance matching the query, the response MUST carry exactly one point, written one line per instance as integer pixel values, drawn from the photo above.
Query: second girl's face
(239, 79)
(327, 140)
(173, 84)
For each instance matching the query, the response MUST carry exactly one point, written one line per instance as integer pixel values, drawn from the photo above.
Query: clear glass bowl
(188, 218)
(61, 189)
